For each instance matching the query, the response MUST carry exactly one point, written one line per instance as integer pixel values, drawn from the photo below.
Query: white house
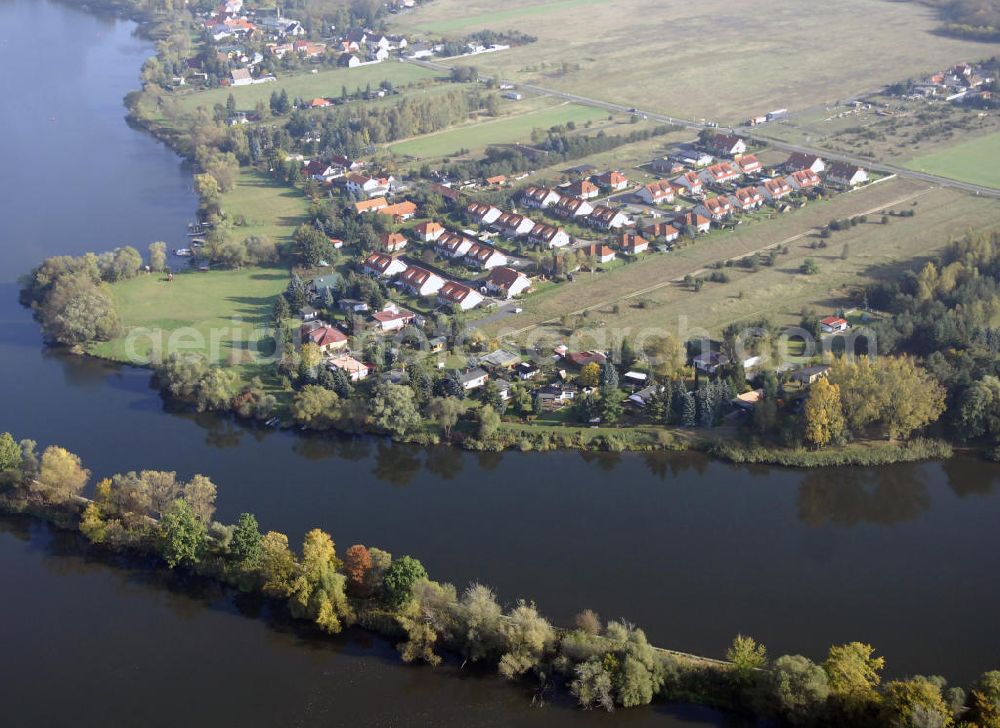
(353, 368)
(690, 181)
(460, 296)
(570, 207)
(746, 199)
(361, 184)
(607, 218)
(421, 282)
(513, 225)
(803, 179)
(720, 173)
(484, 214)
(474, 378)
(775, 189)
(453, 245)
(842, 174)
(241, 77)
(484, 256)
(539, 197)
(804, 160)
(506, 282)
(381, 265)
(833, 325)
(549, 235)
(428, 232)
(715, 208)
(657, 193)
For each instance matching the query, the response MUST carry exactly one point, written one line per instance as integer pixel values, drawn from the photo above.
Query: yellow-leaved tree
(824, 414)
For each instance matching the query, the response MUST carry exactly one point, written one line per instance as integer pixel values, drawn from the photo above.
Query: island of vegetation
(155, 516)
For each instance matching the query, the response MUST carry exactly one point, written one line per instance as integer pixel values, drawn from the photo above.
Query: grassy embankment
(762, 56)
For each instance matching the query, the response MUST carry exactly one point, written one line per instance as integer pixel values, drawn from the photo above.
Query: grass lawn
(976, 161)
(692, 60)
(513, 128)
(266, 206)
(327, 83)
(647, 293)
(214, 313)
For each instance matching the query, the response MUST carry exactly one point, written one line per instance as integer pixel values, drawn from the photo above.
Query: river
(692, 550)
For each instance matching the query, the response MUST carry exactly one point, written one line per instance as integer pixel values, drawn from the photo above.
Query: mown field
(976, 161)
(649, 293)
(700, 60)
(325, 83)
(265, 206)
(516, 127)
(214, 313)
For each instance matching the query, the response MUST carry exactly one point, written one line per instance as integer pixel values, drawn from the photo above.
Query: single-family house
(473, 379)
(720, 174)
(747, 401)
(452, 244)
(526, 371)
(513, 225)
(400, 212)
(389, 320)
(362, 184)
(710, 361)
(583, 358)
(661, 231)
(328, 338)
(392, 242)
(842, 174)
(449, 194)
(353, 305)
(666, 165)
(548, 235)
(373, 205)
(428, 232)
(321, 284)
(749, 164)
(354, 369)
(485, 257)
(691, 157)
(600, 253)
(506, 283)
(459, 296)
(584, 189)
(833, 325)
(657, 193)
(504, 389)
(497, 180)
(571, 207)
(803, 179)
(381, 265)
(715, 208)
(726, 145)
(809, 375)
(606, 218)
(421, 282)
(775, 189)
(308, 313)
(746, 199)
(612, 180)
(690, 181)
(483, 214)
(501, 359)
(632, 243)
(690, 219)
(322, 171)
(804, 160)
(539, 197)
(348, 60)
(240, 77)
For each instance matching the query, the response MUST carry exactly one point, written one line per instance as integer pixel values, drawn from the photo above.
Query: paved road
(755, 135)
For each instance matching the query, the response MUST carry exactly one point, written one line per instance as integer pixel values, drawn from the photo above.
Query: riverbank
(602, 665)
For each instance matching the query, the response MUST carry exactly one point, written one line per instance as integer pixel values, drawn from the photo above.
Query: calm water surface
(905, 557)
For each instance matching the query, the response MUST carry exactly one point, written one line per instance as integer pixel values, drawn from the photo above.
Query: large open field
(506, 129)
(975, 161)
(213, 313)
(648, 294)
(265, 206)
(307, 85)
(703, 60)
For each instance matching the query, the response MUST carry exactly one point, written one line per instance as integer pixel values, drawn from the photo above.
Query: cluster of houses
(572, 201)
(962, 83)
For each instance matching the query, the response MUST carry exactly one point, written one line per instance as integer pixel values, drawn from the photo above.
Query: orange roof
(400, 209)
(369, 205)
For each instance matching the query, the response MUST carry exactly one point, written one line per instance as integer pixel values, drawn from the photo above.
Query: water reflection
(849, 496)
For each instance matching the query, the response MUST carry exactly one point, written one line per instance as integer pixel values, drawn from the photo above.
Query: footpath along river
(694, 551)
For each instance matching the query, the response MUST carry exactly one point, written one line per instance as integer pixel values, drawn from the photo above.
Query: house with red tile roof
(421, 282)
(363, 184)
(746, 199)
(459, 296)
(512, 225)
(483, 214)
(507, 283)
(392, 242)
(632, 243)
(584, 189)
(484, 256)
(382, 265)
(400, 212)
(715, 208)
(833, 325)
(662, 231)
(775, 189)
(720, 173)
(453, 245)
(373, 205)
(600, 253)
(327, 338)
(803, 179)
(571, 207)
(606, 218)
(700, 223)
(612, 180)
(539, 197)
(690, 181)
(748, 164)
(391, 320)
(548, 235)
(657, 193)
(429, 231)
(354, 369)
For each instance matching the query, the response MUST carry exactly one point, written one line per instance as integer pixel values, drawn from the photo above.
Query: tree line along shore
(170, 523)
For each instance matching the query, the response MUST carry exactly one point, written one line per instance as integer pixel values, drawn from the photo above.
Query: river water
(904, 557)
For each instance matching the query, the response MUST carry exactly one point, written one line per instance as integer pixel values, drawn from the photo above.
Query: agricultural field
(324, 83)
(696, 61)
(516, 127)
(264, 207)
(976, 161)
(649, 293)
(198, 308)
